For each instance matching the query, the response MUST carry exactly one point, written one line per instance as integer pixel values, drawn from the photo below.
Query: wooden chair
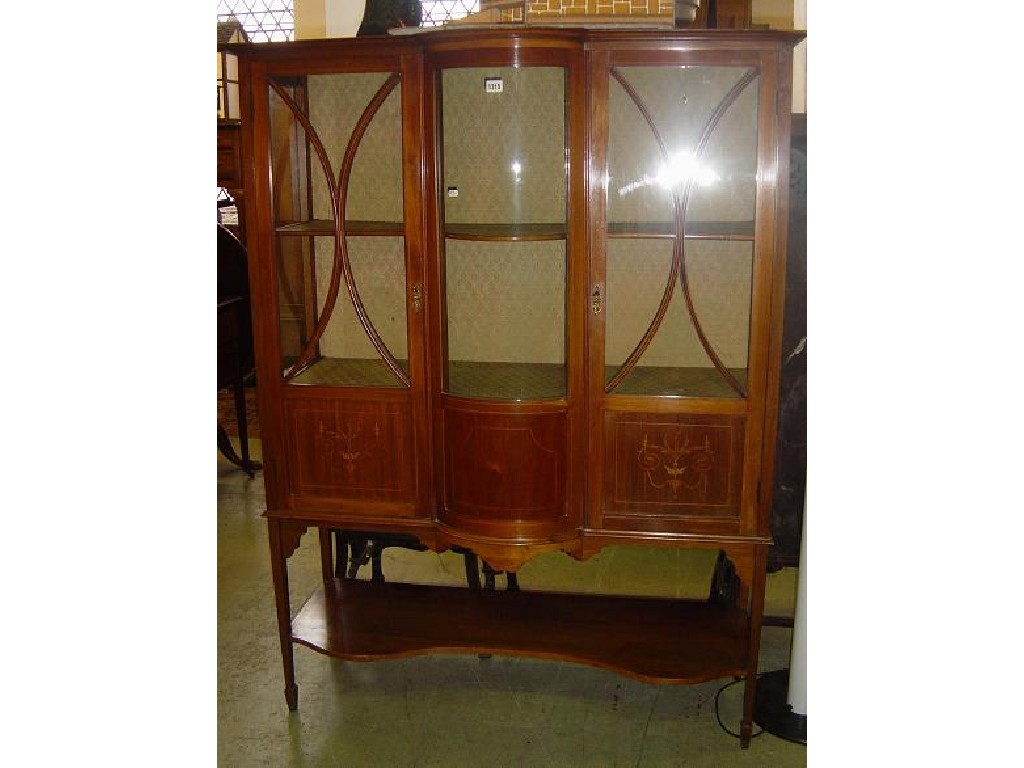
(234, 341)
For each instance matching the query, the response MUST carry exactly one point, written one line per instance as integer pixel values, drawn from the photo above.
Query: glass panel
(364, 331)
(504, 219)
(296, 288)
(506, 320)
(719, 277)
(657, 342)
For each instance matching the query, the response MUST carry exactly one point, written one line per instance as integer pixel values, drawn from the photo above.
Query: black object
(382, 15)
(773, 713)
(791, 439)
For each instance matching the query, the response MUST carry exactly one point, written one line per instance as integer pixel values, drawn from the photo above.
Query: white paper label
(494, 85)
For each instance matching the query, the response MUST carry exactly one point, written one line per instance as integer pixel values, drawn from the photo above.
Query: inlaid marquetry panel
(673, 464)
(350, 449)
(505, 467)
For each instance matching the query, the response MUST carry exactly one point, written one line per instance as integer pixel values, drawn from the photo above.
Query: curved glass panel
(354, 297)
(504, 224)
(506, 320)
(682, 156)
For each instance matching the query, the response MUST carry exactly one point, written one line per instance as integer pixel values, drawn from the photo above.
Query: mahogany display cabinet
(519, 290)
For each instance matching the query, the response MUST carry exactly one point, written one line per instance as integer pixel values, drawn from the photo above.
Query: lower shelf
(652, 639)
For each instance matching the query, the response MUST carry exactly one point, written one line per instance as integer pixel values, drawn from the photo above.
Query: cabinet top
(514, 35)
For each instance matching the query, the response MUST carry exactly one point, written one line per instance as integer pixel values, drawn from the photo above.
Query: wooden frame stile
(417, 300)
(782, 127)
(262, 278)
(435, 311)
(579, 236)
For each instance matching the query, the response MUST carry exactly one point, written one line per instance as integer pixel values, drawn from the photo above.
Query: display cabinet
(519, 291)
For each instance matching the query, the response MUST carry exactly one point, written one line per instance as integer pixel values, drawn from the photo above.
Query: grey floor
(463, 710)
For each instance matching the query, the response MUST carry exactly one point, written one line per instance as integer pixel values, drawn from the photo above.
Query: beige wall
(327, 18)
(778, 14)
(310, 19)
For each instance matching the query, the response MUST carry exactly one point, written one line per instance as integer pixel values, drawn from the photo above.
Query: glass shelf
(353, 228)
(515, 382)
(350, 372)
(513, 232)
(663, 381)
(697, 230)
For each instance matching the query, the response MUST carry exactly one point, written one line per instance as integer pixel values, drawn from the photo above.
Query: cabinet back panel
(506, 301)
(504, 152)
(375, 187)
(378, 270)
(719, 276)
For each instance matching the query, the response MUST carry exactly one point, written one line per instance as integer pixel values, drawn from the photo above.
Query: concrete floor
(441, 710)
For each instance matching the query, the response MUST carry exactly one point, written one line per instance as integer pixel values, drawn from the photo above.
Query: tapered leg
(279, 569)
(754, 645)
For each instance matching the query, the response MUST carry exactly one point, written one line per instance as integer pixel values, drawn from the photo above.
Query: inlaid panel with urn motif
(350, 449)
(673, 465)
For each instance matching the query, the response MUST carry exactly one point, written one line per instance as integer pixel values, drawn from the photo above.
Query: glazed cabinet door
(342, 364)
(682, 193)
(508, 383)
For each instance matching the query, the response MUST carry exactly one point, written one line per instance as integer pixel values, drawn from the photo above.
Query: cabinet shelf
(519, 382)
(676, 381)
(350, 372)
(653, 639)
(698, 230)
(353, 228)
(505, 232)
(506, 381)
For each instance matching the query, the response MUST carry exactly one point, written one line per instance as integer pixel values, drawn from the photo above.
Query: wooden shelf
(353, 228)
(505, 232)
(697, 230)
(652, 639)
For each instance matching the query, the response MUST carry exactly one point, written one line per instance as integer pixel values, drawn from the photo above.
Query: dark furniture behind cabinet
(520, 291)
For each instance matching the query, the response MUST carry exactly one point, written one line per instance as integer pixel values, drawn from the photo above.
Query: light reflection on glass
(675, 174)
